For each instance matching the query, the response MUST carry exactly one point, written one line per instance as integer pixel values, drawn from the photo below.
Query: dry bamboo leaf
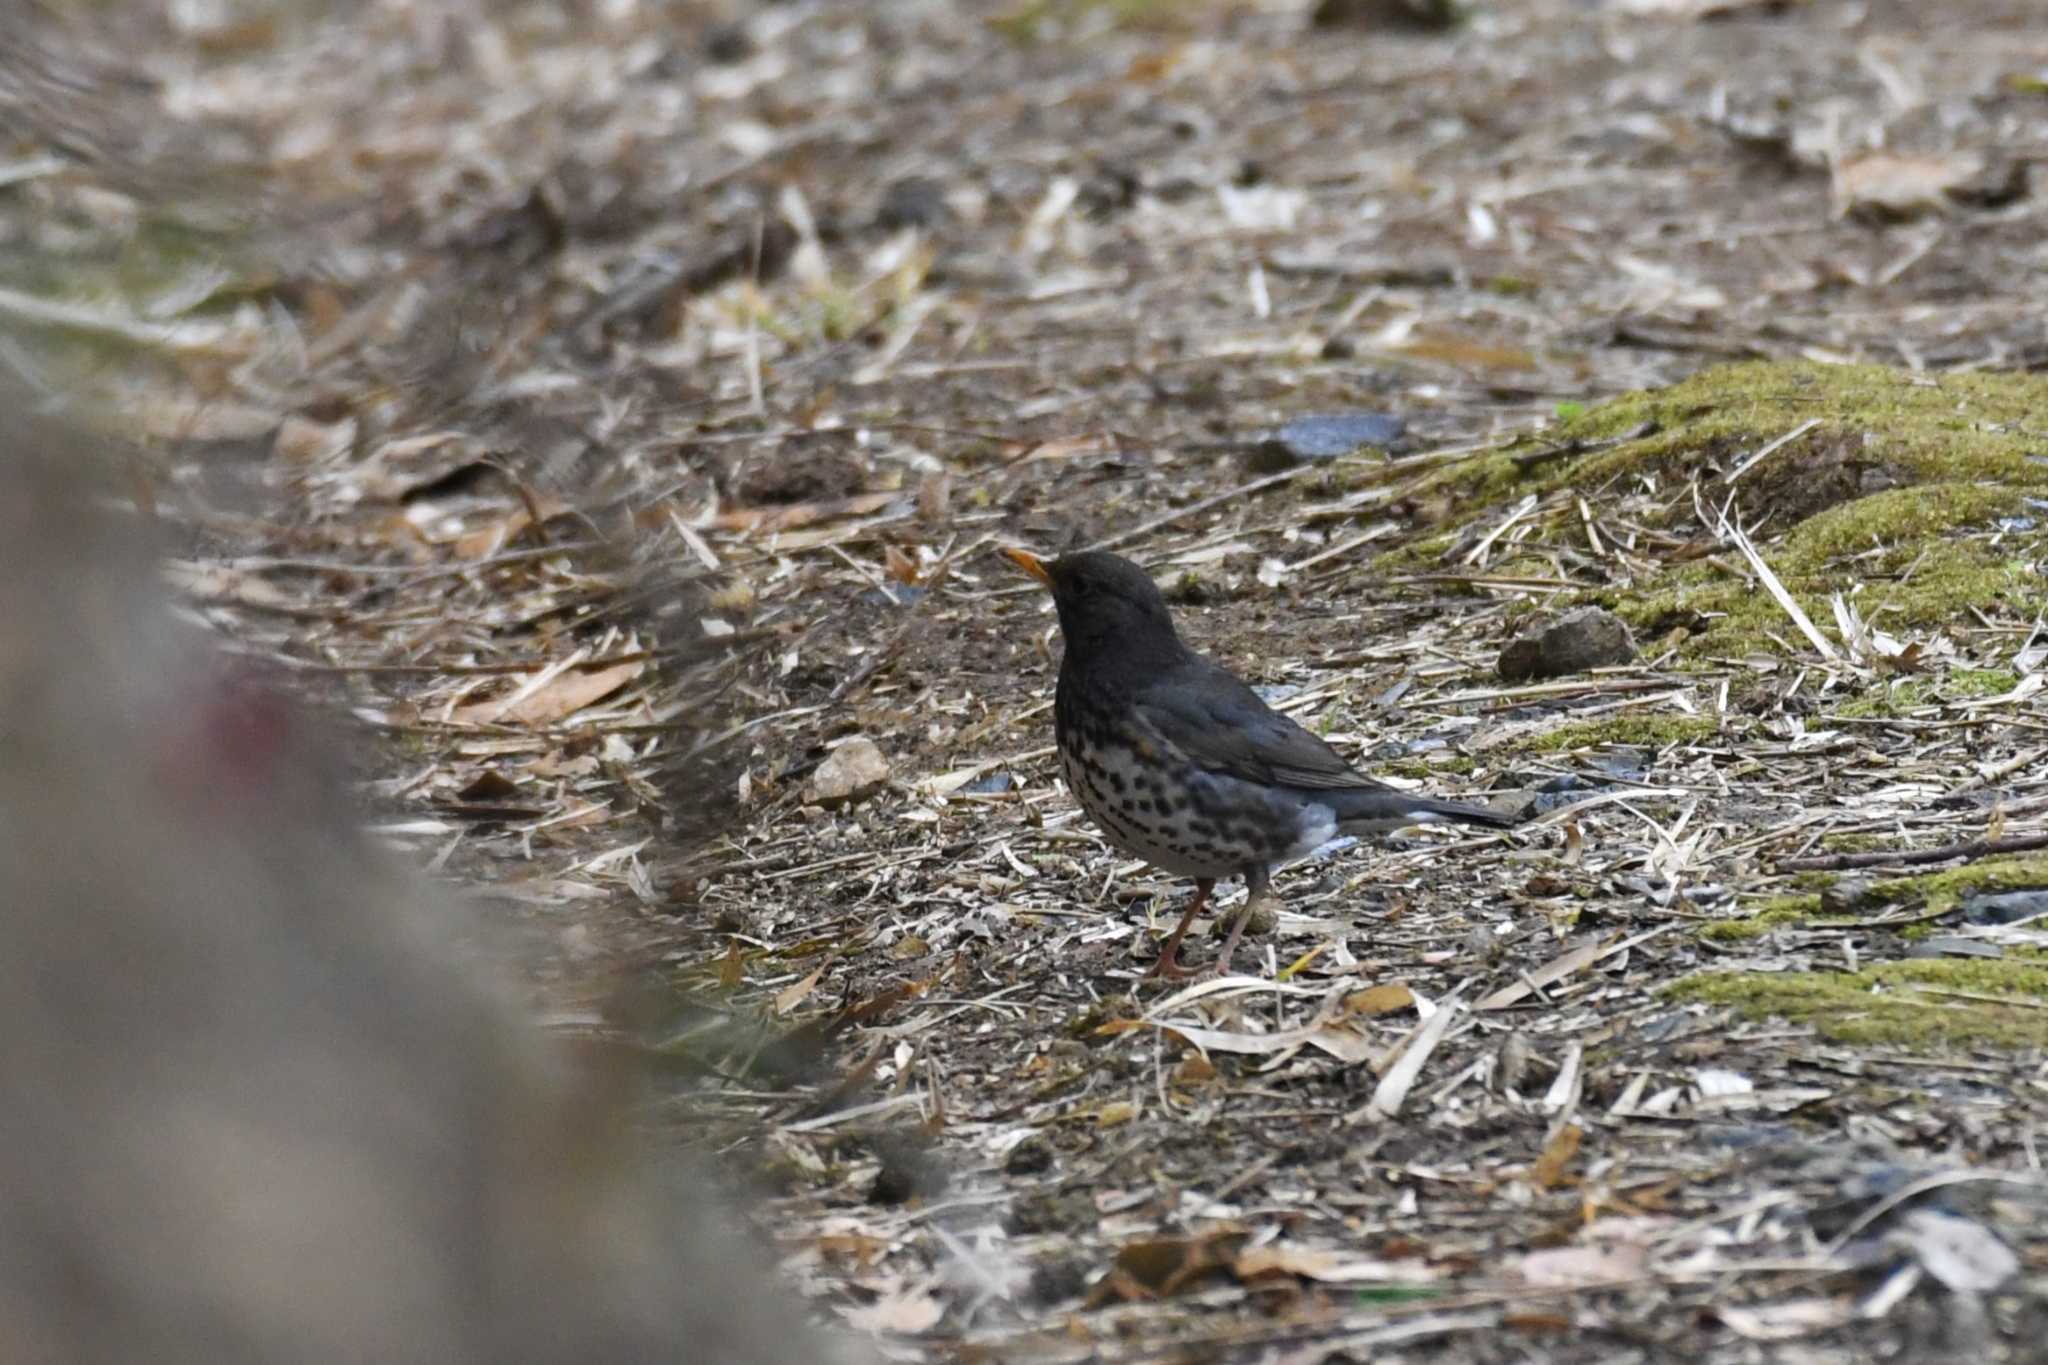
(1392, 1091)
(566, 694)
(1599, 1263)
(1962, 1253)
(1565, 964)
(1898, 184)
(1784, 1321)
(756, 519)
(1328, 1265)
(789, 997)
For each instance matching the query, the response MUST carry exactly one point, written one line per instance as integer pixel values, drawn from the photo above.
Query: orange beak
(1030, 564)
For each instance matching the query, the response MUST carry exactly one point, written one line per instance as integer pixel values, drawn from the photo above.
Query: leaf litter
(624, 431)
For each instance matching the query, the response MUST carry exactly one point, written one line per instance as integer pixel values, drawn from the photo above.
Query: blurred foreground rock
(251, 1109)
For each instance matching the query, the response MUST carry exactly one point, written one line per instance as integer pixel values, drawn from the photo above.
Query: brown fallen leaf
(1899, 185)
(561, 696)
(1157, 1267)
(789, 997)
(782, 518)
(1388, 997)
(1548, 1172)
(1480, 356)
(1328, 1265)
(481, 542)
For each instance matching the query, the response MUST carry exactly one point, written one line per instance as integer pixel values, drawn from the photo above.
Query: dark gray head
(1109, 607)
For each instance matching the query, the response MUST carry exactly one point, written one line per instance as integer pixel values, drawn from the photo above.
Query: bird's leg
(1256, 879)
(1169, 963)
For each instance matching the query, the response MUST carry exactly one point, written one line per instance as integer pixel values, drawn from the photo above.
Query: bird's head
(1104, 601)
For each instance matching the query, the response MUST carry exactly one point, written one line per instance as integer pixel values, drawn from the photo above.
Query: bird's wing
(1219, 723)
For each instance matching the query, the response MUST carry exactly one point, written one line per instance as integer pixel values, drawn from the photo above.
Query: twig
(1904, 857)
(1772, 448)
(1734, 533)
(1195, 508)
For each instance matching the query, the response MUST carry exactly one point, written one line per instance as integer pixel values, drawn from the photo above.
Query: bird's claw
(1169, 967)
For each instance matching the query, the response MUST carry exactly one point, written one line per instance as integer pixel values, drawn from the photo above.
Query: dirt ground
(616, 409)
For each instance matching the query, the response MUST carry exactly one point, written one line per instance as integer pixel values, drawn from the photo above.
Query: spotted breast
(1155, 803)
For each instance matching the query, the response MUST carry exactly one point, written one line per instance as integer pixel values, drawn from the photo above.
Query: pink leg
(1169, 964)
(1255, 882)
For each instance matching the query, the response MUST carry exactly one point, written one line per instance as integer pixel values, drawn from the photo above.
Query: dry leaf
(1329, 1266)
(900, 566)
(1596, 1264)
(1386, 998)
(1116, 1113)
(789, 997)
(1963, 1254)
(566, 694)
(1784, 1321)
(481, 542)
(782, 518)
(1164, 1265)
(901, 1308)
(1898, 185)
(1548, 1172)
(859, 1247)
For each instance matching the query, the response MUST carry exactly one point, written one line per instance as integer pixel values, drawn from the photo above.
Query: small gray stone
(1849, 896)
(849, 772)
(1589, 637)
(1326, 436)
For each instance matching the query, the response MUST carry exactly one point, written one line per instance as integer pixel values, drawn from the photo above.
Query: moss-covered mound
(1906, 493)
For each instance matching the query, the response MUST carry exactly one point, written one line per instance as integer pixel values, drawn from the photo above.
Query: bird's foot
(1258, 903)
(1168, 967)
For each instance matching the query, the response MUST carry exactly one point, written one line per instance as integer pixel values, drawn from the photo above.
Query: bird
(1179, 762)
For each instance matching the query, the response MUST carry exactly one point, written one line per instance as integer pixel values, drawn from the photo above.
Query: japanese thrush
(1181, 764)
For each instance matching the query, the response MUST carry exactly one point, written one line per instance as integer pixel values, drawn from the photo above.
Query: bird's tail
(1364, 810)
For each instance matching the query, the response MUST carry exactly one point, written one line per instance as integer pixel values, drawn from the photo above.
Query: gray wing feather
(1223, 726)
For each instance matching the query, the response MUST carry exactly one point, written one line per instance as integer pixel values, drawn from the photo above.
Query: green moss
(1950, 576)
(1895, 1002)
(1942, 890)
(1650, 731)
(1772, 914)
(1964, 683)
(1034, 20)
(1873, 499)
(1897, 697)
